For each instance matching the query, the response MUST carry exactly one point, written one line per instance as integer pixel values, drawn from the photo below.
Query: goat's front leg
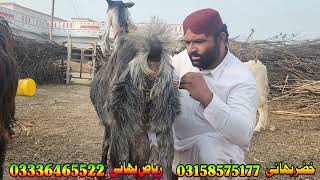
(161, 125)
(119, 149)
(163, 130)
(3, 145)
(166, 152)
(105, 147)
(263, 115)
(164, 111)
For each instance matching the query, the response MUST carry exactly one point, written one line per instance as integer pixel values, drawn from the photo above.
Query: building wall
(26, 19)
(30, 21)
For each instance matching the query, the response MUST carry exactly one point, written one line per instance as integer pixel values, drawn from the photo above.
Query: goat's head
(5, 36)
(120, 16)
(151, 66)
(119, 4)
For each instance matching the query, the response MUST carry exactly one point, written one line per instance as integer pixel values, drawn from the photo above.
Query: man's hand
(195, 84)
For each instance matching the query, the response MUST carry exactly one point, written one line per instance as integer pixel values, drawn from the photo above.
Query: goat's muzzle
(154, 57)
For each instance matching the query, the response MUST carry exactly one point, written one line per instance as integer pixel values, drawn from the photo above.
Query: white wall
(27, 20)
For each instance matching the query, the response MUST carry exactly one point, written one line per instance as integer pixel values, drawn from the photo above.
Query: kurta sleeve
(236, 118)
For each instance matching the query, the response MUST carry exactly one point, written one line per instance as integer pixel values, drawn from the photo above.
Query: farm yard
(59, 125)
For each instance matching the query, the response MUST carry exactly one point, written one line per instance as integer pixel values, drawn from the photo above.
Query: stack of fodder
(290, 63)
(42, 60)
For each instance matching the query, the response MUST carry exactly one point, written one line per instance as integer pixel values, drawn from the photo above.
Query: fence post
(69, 59)
(94, 59)
(81, 61)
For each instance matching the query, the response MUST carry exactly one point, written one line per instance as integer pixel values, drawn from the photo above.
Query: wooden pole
(81, 61)
(69, 59)
(94, 59)
(52, 15)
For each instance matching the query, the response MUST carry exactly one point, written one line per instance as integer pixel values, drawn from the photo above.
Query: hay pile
(293, 66)
(43, 61)
(293, 72)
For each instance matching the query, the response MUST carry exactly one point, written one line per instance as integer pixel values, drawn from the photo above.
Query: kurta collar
(216, 72)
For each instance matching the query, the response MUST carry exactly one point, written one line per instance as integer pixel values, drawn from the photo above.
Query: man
(218, 96)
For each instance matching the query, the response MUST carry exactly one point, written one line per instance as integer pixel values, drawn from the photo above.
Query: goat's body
(8, 88)
(259, 71)
(130, 104)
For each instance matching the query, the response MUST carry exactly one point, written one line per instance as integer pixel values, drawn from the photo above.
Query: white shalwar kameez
(220, 133)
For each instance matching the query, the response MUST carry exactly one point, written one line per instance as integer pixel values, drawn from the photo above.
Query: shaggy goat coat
(131, 99)
(8, 88)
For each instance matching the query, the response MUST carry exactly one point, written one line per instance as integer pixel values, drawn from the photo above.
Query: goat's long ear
(129, 4)
(109, 2)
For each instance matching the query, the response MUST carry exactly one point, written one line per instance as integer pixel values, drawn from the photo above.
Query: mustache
(194, 54)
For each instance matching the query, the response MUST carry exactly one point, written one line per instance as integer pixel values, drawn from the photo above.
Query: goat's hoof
(259, 128)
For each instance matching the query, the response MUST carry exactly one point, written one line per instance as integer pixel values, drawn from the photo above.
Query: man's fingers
(188, 75)
(191, 75)
(186, 80)
(185, 86)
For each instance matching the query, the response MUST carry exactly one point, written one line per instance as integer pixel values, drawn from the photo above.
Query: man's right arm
(236, 118)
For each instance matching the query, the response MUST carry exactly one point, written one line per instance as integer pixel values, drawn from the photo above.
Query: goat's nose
(155, 50)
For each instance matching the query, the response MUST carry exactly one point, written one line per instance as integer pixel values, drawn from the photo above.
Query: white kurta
(220, 133)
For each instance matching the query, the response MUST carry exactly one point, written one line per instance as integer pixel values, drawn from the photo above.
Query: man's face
(203, 50)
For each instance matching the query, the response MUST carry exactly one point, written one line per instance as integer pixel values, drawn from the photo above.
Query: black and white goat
(134, 96)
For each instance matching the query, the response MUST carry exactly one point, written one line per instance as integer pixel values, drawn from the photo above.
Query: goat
(119, 19)
(259, 71)
(8, 88)
(134, 95)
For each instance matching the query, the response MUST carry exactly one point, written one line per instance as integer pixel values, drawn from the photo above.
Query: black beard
(206, 60)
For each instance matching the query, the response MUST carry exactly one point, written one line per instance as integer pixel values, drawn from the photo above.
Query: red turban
(205, 21)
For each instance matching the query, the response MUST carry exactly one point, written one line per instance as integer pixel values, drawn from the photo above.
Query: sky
(268, 18)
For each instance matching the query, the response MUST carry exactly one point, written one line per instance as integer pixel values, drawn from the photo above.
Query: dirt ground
(59, 125)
